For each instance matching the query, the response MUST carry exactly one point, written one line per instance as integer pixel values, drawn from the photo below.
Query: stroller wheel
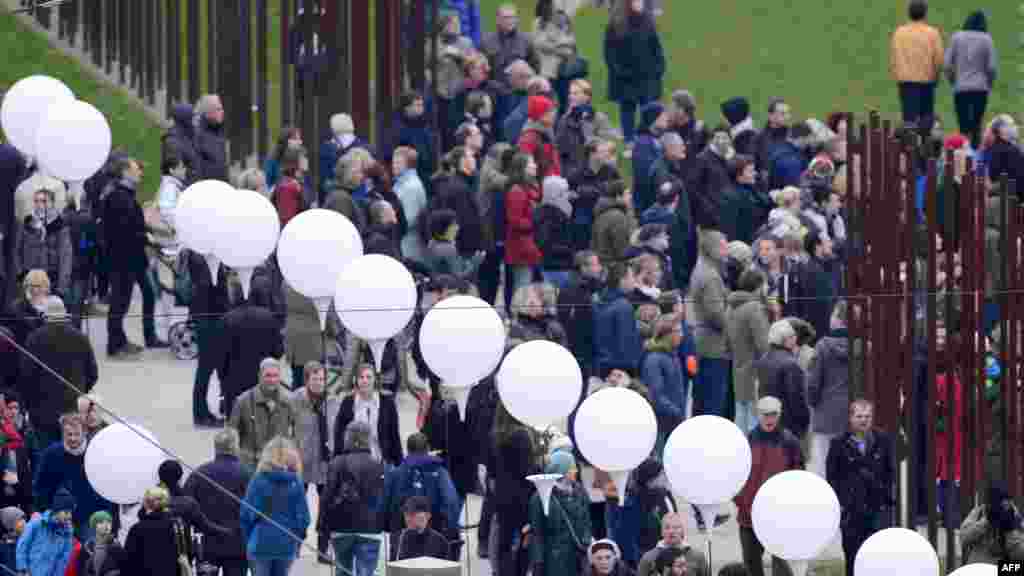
(182, 338)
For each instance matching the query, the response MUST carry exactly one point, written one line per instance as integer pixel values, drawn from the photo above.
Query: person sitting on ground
(418, 538)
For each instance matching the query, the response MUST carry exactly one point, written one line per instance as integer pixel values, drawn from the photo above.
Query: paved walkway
(156, 392)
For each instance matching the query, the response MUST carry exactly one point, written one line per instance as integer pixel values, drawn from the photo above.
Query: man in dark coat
(13, 170)
(576, 309)
(709, 179)
(683, 121)
(616, 334)
(179, 141)
(589, 184)
(124, 230)
(775, 132)
(418, 539)
(507, 43)
(209, 303)
(812, 289)
(251, 333)
(647, 151)
(210, 144)
(862, 471)
(780, 376)
(226, 551)
(61, 348)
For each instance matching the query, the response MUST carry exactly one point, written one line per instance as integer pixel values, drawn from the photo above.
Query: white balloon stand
(544, 484)
(323, 305)
(799, 567)
(377, 347)
(709, 512)
(245, 279)
(621, 480)
(214, 263)
(461, 396)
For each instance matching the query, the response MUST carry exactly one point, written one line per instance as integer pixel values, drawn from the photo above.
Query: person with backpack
(418, 539)
(350, 503)
(421, 474)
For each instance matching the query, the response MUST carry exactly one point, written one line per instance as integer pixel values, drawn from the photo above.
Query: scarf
(320, 409)
(76, 451)
(368, 411)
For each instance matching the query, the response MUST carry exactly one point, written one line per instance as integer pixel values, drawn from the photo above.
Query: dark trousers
(856, 531)
(121, 284)
(489, 274)
(970, 109)
(236, 567)
(207, 331)
(918, 102)
(323, 539)
(711, 387)
(753, 555)
(483, 531)
(297, 376)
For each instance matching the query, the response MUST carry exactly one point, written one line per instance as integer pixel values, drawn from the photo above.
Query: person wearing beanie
(605, 559)
(557, 537)
(646, 151)
(554, 233)
(101, 556)
(46, 545)
(736, 112)
(183, 506)
(538, 137)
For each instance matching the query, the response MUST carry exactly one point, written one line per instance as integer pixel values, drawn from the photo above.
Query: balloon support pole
(461, 396)
(214, 263)
(799, 567)
(245, 279)
(377, 348)
(544, 484)
(621, 478)
(708, 511)
(323, 304)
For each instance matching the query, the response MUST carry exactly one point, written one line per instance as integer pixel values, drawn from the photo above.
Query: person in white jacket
(172, 183)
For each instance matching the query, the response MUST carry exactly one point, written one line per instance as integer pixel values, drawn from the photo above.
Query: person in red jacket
(774, 449)
(522, 256)
(538, 136)
(288, 193)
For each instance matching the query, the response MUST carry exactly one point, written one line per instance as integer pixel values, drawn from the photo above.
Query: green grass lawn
(26, 53)
(821, 56)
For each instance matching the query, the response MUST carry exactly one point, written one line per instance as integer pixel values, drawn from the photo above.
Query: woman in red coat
(288, 194)
(522, 256)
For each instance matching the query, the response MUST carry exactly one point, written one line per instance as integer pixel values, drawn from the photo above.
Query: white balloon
(314, 248)
(73, 140)
(24, 107)
(462, 340)
(375, 296)
(539, 382)
(248, 231)
(795, 514)
(707, 472)
(137, 460)
(616, 429)
(198, 214)
(896, 551)
(976, 569)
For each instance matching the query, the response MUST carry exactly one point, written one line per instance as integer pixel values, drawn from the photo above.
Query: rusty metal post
(931, 338)
(361, 112)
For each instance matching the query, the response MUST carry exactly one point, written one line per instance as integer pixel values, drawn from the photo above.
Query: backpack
(183, 286)
(347, 500)
(419, 482)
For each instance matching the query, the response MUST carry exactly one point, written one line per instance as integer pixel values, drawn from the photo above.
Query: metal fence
(925, 284)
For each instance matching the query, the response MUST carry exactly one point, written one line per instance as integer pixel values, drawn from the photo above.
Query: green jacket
(551, 536)
(258, 419)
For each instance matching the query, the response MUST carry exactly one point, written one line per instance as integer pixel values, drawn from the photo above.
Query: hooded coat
(613, 227)
(635, 60)
(747, 326)
(520, 246)
(179, 140)
(211, 152)
(538, 141)
(553, 232)
(281, 495)
(828, 383)
(780, 376)
(553, 537)
(707, 297)
(617, 338)
(44, 548)
(395, 483)
(228, 472)
(490, 197)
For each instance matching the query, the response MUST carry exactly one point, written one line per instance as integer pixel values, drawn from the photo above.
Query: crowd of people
(708, 278)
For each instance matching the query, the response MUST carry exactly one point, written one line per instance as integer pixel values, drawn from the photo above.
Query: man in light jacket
(707, 297)
(916, 58)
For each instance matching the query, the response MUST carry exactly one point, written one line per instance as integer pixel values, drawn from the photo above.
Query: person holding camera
(993, 531)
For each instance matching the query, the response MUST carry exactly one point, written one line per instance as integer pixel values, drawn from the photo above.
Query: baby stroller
(173, 278)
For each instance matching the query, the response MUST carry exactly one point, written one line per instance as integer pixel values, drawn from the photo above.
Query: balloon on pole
(198, 217)
(544, 483)
(704, 472)
(795, 515)
(25, 106)
(375, 298)
(137, 458)
(73, 140)
(896, 551)
(976, 569)
(539, 382)
(248, 234)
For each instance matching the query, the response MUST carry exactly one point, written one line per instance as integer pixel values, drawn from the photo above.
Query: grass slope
(821, 56)
(26, 53)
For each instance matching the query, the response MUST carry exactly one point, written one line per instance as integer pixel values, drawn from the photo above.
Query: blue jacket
(616, 335)
(416, 133)
(396, 480)
(44, 549)
(646, 150)
(469, 18)
(330, 151)
(58, 469)
(658, 214)
(281, 495)
(514, 123)
(663, 375)
(8, 553)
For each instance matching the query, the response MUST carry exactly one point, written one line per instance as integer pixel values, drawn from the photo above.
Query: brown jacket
(771, 453)
(916, 53)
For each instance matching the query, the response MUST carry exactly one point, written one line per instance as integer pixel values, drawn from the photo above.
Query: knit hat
(342, 124)
(603, 544)
(9, 517)
(99, 518)
(649, 114)
(769, 405)
(538, 106)
(736, 110)
(955, 142)
(63, 501)
(560, 463)
(170, 473)
(556, 193)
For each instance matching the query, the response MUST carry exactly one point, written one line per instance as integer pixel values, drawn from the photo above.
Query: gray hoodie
(971, 61)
